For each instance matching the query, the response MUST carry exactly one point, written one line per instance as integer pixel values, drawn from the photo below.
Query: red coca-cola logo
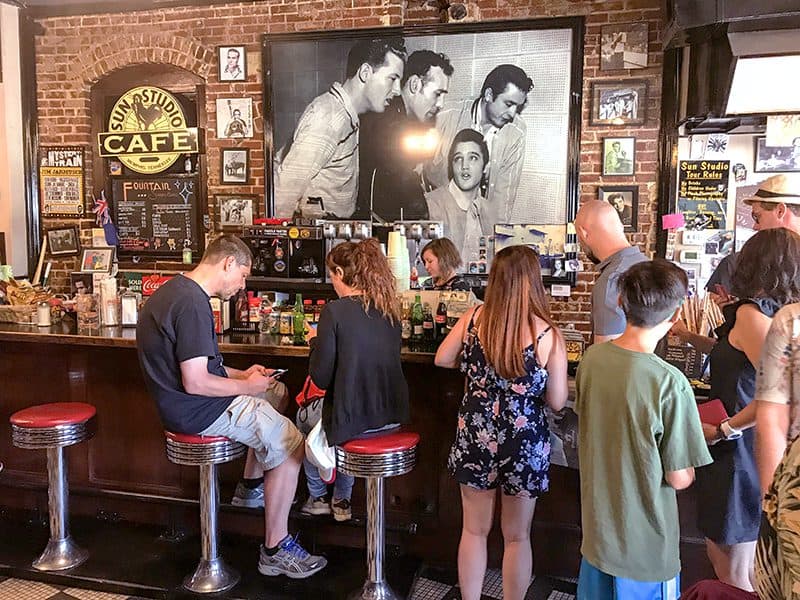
(150, 283)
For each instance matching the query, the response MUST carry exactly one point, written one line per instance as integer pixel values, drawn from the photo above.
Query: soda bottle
(441, 320)
(299, 322)
(417, 317)
(428, 331)
(405, 322)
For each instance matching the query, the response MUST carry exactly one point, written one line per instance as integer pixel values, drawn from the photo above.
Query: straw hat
(778, 188)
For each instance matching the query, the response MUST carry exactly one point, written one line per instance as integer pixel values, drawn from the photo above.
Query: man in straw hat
(776, 203)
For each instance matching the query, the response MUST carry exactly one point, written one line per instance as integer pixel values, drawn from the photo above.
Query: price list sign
(61, 181)
(703, 192)
(156, 216)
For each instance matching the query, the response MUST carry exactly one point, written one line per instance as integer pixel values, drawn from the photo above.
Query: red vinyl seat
(53, 415)
(382, 444)
(190, 438)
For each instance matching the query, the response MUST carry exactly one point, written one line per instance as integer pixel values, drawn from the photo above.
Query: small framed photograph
(232, 63)
(235, 210)
(97, 260)
(625, 198)
(234, 118)
(619, 156)
(81, 283)
(621, 102)
(623, 46)
(234, 166)
(777, 159)
(64, 241)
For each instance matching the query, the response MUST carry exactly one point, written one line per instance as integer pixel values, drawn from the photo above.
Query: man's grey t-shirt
(607, 316)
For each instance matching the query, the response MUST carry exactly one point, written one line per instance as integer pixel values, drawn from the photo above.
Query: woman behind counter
(355, 352)
(442, 260)
(515, 363)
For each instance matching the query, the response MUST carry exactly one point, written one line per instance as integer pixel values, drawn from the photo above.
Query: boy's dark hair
(373, 52)
(467, 135)
(421, 61)
(650, 292)
(769, 265)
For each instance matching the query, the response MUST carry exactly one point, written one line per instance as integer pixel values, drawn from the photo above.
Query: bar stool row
(54, 426)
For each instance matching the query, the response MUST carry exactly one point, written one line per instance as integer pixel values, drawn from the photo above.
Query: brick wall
(73, 53)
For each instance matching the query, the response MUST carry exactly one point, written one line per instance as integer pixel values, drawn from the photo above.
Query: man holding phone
(197, 394)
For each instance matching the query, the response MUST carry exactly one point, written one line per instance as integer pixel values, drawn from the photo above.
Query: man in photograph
(316, 173)
(624, 211)
(496, 115)
(237, 127)
(392, 143)
(232, 71)
(615, 160)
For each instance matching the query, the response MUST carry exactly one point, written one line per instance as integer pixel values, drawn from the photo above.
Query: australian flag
(104, 219)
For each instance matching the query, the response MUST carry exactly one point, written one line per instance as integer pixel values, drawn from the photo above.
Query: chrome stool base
(60, 555)
(374, 591)
(211, 576)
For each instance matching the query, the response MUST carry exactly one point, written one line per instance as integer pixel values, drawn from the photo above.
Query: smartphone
(278, 373)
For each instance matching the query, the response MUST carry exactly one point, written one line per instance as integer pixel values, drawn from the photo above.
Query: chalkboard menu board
(157, 215)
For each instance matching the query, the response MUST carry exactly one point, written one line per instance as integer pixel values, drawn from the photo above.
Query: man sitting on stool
(197, 394)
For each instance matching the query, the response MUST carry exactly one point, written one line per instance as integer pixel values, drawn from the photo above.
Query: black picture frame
(624, 46)
(234, 166)
(235, 210)
(474, 50)
(63, 241)
(618, 102)
(227, 71)
(620, 162)
(629, 215)
(775, 159)
(97, 260)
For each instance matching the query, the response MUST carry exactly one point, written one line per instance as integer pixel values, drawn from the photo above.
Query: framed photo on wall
(625, 198)
(235, 210)
(232, 61)
(234, 166)
(97, 260)
(776, 159)
(63, 241)
(234, 118)
(622, 102)
(396, 169)
(619, 156)
(623, 46)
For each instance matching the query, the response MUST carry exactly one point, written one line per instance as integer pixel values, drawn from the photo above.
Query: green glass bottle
(299, 321)
(417, 318)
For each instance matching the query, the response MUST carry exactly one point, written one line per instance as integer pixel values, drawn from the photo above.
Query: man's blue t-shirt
(176, 324)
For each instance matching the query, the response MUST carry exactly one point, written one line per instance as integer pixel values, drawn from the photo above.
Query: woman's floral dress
(502, 438)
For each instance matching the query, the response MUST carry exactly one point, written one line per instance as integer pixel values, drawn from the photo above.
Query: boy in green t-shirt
(640, 439)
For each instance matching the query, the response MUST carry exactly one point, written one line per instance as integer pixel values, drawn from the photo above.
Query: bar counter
(123, 472)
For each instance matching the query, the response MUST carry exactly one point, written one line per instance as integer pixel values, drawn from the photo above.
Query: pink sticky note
(673, 221)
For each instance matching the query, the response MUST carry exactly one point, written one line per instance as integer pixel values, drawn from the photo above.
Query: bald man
(602, 238)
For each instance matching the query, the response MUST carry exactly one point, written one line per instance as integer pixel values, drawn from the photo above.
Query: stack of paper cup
(398, 260)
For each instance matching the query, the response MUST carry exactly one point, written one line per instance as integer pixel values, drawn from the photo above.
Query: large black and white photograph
(618, 102)
(777, 159)
(234, 165)
(623, 46)
(469, 128)
(234, 118)
(63, 241)
(232, 63)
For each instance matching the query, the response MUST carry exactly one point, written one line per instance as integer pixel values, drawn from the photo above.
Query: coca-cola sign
(150, 283)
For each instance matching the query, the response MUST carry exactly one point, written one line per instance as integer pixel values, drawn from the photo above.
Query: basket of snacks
(18, 300)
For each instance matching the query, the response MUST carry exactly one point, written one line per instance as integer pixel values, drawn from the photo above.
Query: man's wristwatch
(728, 433)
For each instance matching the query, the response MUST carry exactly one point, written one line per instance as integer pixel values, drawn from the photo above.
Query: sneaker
(316, 506)
(291, 560)
(247, 497)
(341, 510)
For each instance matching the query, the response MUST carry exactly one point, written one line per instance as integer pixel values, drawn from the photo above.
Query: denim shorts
(254, 422)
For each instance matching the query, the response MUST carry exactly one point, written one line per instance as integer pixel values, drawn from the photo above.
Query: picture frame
(234, 166)
(619, 102)
(235, 210)
(625, 198)
(232, 63)
(63, 241)
(545, 50)
(62, 181)
(623, 46)
(81, 283)
(97, 260)
(776, 159)
(234, 118)
(619, 156)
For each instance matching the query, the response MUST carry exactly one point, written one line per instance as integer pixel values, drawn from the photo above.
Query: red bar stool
(374, 459)
(52, 427)
(212, 574)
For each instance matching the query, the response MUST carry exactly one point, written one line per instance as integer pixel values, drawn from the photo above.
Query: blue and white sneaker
(291, 560)
(247, 497)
